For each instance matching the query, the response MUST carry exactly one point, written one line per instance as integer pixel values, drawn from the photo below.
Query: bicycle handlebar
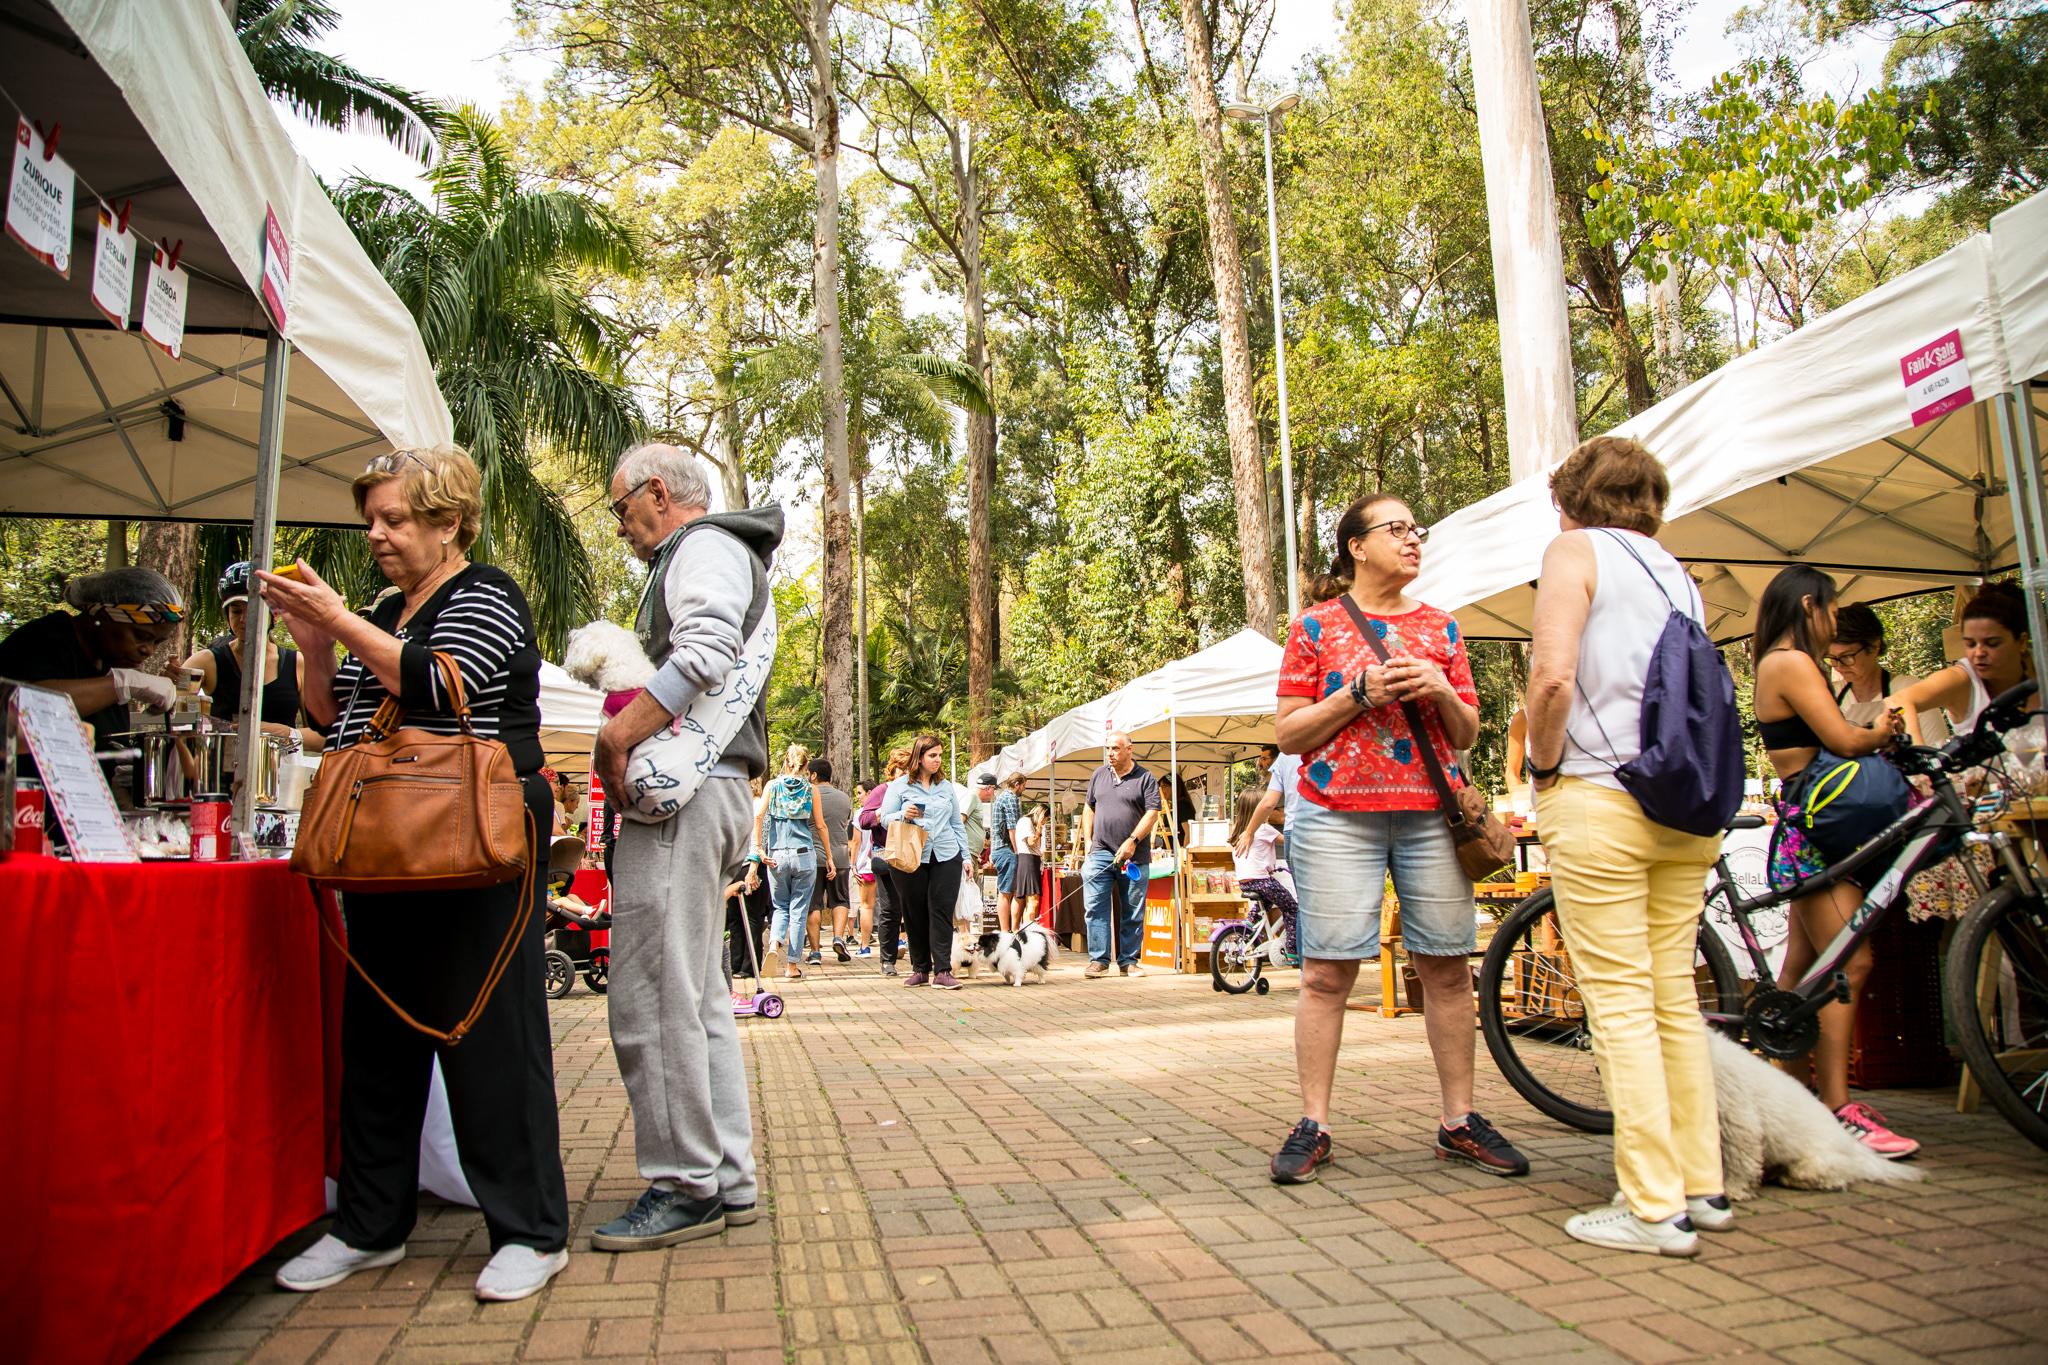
(1979, 745)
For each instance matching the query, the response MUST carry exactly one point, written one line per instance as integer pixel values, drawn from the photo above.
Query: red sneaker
(1866, 1125)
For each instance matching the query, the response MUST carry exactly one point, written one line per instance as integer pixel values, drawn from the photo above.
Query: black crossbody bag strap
(1408, 708)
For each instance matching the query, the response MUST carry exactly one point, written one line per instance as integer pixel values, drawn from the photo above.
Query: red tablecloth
(171, 1061)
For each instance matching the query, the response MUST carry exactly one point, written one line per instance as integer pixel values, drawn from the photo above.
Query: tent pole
(2029, 511)
(277, 355)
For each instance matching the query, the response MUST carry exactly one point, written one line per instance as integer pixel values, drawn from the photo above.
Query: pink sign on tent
(1937, 378)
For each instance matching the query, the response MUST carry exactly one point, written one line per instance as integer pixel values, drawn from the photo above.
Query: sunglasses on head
(389, 462)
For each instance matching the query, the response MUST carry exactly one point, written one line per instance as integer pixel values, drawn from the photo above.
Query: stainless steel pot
(177, 765)
(273, 771)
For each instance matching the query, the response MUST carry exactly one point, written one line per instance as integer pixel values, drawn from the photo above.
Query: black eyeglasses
(619, 507)
(1848, 656)
(1401, 530)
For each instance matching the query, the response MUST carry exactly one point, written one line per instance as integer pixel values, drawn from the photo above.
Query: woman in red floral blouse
(1369, 810)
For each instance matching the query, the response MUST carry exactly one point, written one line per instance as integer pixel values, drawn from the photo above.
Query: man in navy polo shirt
(1116, 825)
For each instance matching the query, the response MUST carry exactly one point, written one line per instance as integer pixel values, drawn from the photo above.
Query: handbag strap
(499, 962)
(1435, 768)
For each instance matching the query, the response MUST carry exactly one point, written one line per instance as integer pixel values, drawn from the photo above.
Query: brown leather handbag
(1484, 845)
(405, 810)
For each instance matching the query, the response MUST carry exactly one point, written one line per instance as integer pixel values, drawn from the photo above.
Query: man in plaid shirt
(1009, 809)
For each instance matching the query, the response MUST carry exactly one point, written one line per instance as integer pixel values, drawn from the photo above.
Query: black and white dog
(1010, 956)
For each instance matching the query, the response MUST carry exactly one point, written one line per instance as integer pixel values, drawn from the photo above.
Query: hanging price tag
(113, 269)
(163, 303)
(277, 268)
(39, 200)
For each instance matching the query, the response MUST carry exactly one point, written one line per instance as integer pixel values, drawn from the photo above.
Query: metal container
(177, 765)
(275, 755)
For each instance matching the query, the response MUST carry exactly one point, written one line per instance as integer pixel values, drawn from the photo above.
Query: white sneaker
(1620, 1229)
(1709, 1213)
(519, 1272)
(330, 1261)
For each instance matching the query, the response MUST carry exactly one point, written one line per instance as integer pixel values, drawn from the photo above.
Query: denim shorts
(1341, 860)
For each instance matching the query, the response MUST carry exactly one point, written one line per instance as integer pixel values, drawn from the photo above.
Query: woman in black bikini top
(1803, 729)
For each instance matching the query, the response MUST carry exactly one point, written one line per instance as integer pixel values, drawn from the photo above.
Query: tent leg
(262, 537)
(2029, 511)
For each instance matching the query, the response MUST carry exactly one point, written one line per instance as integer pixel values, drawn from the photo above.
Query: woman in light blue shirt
(927, 896)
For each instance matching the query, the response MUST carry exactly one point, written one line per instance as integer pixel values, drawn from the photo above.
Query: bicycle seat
(1746, 822)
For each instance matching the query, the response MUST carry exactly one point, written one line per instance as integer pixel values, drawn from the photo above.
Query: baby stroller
(578, 936)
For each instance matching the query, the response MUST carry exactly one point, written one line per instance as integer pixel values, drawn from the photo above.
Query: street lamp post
(1265, 114)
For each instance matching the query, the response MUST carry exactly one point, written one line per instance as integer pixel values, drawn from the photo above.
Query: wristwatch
(1536, 774)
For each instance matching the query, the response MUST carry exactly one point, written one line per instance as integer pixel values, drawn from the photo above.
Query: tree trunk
(725, 424)
(836, 716)
(860, 625)
(1226, 266)
(172, 549)
(981, 466)
(1603, 281)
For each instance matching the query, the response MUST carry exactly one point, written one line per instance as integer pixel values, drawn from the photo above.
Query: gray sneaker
(330, 1261)
(519, 1272)
(661, 1218)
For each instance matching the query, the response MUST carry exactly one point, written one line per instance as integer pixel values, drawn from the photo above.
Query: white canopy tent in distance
(1213, 707)
(161, 127)
(1894, 443)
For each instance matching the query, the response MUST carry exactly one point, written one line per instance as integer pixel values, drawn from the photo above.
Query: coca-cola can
(28, 815)
(210, 827)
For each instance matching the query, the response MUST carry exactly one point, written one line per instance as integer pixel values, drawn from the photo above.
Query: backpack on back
(1690, 772)
(790, 799)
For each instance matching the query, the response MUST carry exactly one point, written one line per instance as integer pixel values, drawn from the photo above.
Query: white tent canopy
(160, 108)
(1214, 706)
(570, 715)
(1804, 451)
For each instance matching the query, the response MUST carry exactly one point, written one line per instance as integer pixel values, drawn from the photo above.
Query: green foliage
(1759, 162)
(37, 557)
(526, 358)
(278, 37)
(1985, 95)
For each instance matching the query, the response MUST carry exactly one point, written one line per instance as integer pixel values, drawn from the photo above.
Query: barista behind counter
(91, 648)
(284, 670)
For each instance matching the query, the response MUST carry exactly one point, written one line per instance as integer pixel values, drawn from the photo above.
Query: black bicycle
(1994, 990)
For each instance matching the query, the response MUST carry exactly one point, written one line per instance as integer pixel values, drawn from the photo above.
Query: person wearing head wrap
(93, 646)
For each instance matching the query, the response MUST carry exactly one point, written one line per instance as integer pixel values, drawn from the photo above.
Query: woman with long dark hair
(1837, 793)
(926, 895)
(1996, 657)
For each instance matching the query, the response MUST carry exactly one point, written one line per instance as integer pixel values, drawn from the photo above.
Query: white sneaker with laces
(1619, 1229)
(519, 1272)
(1709, 1213)
(330, 1261)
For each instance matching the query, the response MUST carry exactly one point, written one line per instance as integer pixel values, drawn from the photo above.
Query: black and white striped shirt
(481, 620)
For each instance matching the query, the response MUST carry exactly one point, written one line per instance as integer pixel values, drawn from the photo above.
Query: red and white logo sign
(277, 268)
(1937, 378)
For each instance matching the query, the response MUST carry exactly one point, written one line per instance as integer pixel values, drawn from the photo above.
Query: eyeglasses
(1401, 530)
(619, 507)
(387, 463)
(1847, 656)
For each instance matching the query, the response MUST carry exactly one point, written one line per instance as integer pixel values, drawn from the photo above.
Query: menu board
(73, 782)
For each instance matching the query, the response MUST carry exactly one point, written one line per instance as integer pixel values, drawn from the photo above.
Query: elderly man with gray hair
(671, 1015)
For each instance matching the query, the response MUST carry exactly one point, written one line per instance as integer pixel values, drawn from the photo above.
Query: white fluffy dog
(608, 658)
(1011, 956)
(1772, 1127)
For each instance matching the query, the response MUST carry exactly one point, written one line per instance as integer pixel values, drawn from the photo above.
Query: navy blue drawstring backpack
(1689, 774)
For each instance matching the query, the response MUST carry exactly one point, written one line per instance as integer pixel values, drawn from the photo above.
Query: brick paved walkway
(1076, 1172)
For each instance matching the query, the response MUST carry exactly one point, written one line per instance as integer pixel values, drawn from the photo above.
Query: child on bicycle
(1258, 870)
(1837, 794)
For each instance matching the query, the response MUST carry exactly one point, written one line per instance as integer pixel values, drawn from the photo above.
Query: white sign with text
(113, 270)
(163, 305)
(39, 200)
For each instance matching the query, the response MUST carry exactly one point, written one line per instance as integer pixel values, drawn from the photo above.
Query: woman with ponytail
(1368, 808)
(1996, 657)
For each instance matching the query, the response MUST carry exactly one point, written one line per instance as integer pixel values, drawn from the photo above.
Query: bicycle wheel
(1535, 1020)
(1995, 993)
(1233, 964)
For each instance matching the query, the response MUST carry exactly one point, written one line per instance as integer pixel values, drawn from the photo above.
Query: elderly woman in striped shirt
(431, 950)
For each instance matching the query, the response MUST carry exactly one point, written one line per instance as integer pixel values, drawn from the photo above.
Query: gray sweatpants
(671, 1015)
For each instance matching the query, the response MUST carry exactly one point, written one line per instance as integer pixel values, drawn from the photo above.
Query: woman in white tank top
(1628, 889)
(1995, 659)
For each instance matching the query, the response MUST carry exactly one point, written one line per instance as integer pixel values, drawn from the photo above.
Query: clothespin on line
(49, 138)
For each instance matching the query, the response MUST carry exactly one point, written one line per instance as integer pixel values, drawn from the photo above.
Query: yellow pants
(1628, 896)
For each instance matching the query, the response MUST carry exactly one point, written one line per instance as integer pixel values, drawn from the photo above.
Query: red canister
(210, 827)
(28, 815)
